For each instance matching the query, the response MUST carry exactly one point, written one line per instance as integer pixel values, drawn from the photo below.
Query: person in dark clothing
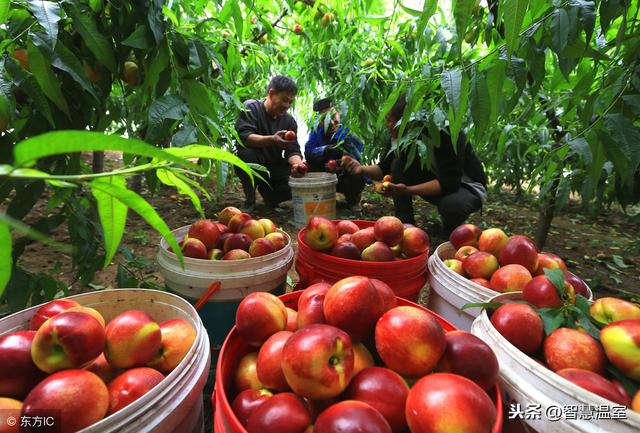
(261, 128)
(324, 146)
(455, 181)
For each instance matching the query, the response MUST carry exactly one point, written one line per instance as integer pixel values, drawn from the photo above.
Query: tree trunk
(98, 162)
(547, 212)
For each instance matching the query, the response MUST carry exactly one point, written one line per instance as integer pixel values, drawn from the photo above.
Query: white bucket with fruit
(476, 265)
(142, 372)
(558, 379)
(242, 254)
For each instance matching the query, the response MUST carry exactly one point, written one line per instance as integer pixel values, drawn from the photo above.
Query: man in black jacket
(455, 181)
(262, 129)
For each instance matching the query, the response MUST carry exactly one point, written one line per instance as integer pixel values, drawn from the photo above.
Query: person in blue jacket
(330, 145)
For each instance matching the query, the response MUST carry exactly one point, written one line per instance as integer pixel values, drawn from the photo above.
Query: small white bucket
(450, 291)
(313, 195)
(238, 278)
(533, 386)
(175, 404)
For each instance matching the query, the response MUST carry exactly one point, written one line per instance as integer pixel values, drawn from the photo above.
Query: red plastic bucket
(405, 277)
(233, 349)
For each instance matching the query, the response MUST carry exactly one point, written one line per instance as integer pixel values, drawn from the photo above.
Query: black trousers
(349, 185)
(454, 208)
(276, 189)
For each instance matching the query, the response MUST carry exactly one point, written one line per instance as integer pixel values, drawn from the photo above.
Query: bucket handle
(213, 288)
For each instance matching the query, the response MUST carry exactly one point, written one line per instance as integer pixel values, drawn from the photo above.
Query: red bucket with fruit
(384, 249)
(364, 349)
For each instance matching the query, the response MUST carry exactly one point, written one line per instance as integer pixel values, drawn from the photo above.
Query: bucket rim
(313, 179)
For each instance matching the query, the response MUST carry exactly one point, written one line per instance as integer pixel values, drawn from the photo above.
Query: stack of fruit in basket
(504, 263)
(351, 356)
(235, 236)
(595, 346)
(73, 366)
(387, 240)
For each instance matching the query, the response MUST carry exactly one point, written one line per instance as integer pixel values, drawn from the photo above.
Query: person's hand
(279, 140)
(351, 165)
(394, 189)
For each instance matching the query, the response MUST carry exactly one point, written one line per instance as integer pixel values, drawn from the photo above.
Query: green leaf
(97, 43)
(167, 107)
(47, 80)
(6, 256)
(19, 227)
(495, 80)
(462, 15)
(140, 38)
(66, 61)
(113, 215)
(159, 62)
(626, 135)
(629, 385)
(60, 142)
(169, 178)
(552, 320)
(208, 152)
(513, 15)
(619, 261)
(556, 276)
(4, 10)
(480, 103)
(481, 305)
(39, 98)
(581, 147)
(428, 9)
(456, 87)
(142, 208)
(585, 321)
(237, 19)
(48, 15)
(559, 31)
(393, 97)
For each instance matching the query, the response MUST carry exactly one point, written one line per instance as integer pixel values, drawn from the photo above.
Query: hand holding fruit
(394, 189)
(282, 139)
(299, 169)
(351, 165)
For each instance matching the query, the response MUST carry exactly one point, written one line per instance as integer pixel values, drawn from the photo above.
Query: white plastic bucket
(450, 291)
(175, 404)
(237, 278)
(313, 195)
(528, 383)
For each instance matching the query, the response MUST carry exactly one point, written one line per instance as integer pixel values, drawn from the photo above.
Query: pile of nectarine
(504, 263)
(72, 366)
(235, 236)
(351, 356)
(599, 365)
(387, 240)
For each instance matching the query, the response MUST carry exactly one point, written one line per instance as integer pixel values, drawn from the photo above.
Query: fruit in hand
(290, 135)
(301, 168)
(332, 165)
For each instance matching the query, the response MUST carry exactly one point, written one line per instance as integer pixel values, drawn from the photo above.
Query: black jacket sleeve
(247, 122)
(385, 161)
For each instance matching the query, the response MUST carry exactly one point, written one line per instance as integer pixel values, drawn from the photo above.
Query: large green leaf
(513, 15)
(428, 9)
(47, 80)
(208, 152)
(60, 142)
(140, 206)
(39, 98)
(167, 107)
(97, 43)
(480, 103)
(112, 213)
(4, 10)
(455, 84)
(6, 256)
(462, 15)
(159, 62)
(48, 15)
(140, 38)
(169, 178)
(495, 80)
(451, 80)
(626, 135)
(66, 61)
(559, 30)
